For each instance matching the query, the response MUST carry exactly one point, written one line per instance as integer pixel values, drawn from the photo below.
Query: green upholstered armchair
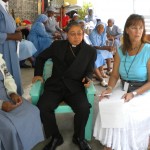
(37, 89)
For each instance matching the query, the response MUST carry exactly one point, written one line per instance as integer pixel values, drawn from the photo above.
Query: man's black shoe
(54, 142)
(82, 144)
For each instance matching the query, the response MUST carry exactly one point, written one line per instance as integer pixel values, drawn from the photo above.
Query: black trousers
(50, 100)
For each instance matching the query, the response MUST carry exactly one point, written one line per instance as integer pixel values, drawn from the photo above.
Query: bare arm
(109, 48)
(115, 73)
(17, 36)
(114, 76)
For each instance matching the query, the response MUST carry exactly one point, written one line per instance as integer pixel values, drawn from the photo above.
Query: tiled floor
(65, 121)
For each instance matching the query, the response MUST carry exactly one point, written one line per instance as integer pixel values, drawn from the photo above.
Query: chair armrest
(91, 89)
(35, 92)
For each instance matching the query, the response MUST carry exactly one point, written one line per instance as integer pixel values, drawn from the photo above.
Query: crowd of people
(67, 43)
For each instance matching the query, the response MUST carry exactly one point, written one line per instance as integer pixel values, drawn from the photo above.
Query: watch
(134, 93)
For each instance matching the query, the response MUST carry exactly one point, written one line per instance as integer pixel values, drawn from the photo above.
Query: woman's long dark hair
(132, 20)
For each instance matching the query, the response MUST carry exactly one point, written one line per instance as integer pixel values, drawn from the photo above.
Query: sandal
(103, 83)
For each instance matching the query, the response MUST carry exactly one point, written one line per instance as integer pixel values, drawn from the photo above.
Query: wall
(25, 9)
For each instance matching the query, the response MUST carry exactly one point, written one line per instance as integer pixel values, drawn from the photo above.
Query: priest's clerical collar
(73, 45)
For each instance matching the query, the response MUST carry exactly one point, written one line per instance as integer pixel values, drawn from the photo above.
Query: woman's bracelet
(109, 88)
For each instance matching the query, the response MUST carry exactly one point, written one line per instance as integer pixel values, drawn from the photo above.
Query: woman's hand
(16, 98)
(9, 106)
(37, 78)
(86, 81)
(105, 93)
(127, 97)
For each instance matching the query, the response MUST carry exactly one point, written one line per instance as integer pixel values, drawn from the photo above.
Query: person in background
(75, 17)
(63, 22)
(86, 37)
(26, 48)
(132, 65)
(20, 123)
(38, 35)
(90, 19)
(98, 19)
(26, 28)
(9, 36)
(70, 75)
(52, 26)
(26, 52)
(113, 34)
(98, 39)
(99, 62)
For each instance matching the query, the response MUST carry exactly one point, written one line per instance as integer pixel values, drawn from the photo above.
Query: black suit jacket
(72, 77)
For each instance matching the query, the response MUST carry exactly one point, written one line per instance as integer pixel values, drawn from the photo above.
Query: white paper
(112, 113)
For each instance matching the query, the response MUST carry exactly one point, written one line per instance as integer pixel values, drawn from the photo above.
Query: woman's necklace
(136, 48)
(127, 71)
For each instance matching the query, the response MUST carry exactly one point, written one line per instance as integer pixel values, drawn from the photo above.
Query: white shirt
(9, 82)
(3, 4)
(111, 28)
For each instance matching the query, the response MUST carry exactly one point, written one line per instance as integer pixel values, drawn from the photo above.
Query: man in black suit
(73, 62)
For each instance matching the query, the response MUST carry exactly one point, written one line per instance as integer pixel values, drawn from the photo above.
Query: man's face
(110, 23)
(75, 35)
(100, 29)
(75, 18)
(50, 13)
(90, 12)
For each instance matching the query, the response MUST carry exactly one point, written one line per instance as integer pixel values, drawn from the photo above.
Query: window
(121, 9)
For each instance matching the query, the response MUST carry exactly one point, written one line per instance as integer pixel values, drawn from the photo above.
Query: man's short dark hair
(74, 23)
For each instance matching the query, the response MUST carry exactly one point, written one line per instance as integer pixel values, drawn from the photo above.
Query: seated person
(98, 39)
(66, 84)
(38, 35)
(20, 124)
(113, 34)
(90, 16)
(63, 19)
(26, 51)
(52, 25)
(132, 64)
(99, 63)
